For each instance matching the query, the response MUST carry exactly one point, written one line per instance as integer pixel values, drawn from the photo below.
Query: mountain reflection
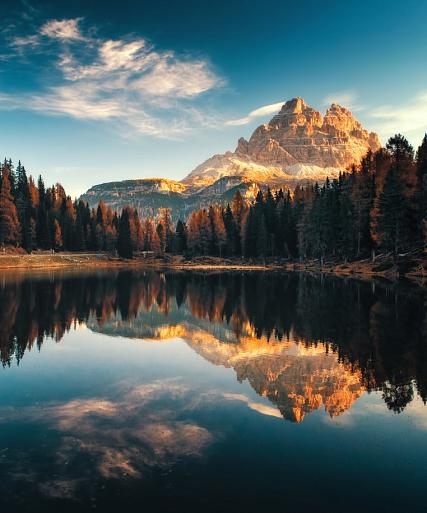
(303, 342)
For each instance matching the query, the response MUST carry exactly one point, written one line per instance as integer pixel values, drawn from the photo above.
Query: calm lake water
(136, 391)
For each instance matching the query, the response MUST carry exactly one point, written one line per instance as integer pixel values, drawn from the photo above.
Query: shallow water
(211, 392)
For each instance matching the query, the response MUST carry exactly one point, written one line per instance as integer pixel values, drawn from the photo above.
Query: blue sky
(98, 91)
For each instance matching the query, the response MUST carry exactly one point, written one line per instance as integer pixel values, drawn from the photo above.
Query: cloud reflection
(130, 435)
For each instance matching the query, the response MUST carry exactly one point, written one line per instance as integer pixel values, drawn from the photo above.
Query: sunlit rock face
(297, 142)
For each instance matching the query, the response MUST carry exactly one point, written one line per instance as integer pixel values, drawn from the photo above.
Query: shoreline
(364, 269)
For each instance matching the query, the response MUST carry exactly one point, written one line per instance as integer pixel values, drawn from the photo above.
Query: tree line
(381, 204)
(35, 217)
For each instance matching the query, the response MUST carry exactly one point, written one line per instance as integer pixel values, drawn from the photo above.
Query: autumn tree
(136, 231)
(9, 223)
(166, 222)
(151, 237)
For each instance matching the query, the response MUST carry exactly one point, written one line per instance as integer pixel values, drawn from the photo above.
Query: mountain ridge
(298, 145)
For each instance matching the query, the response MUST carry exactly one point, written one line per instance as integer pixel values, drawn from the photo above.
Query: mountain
(299, 144)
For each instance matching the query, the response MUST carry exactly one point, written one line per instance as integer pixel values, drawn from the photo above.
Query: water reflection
(303, 342)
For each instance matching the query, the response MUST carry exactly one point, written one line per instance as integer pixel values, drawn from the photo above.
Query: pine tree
(239, 210)
(180, 239)
(24, 207)
(7, 164)
(271, 222)
(161, 235)
(316, 225)
(101, 225)
(57, 236)
(92, 237)
(80, 241)
(381, 166)
(401, 152)
(421, 192)
(290, 231)
(213, 238)
(362, 197)
(204, 232)
(250, 238)
(221, 235)
(260, 229)
(262, 245)
(230, 231)
(345, 225)
(392, 212)
(67, 222)
(9, 223)
(124, 242)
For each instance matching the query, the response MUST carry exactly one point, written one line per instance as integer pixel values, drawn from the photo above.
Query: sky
(97, 91)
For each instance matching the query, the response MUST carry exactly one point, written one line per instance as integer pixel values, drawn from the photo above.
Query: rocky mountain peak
(299, 134)
(340, 118)
(295, 113)
(295, 106)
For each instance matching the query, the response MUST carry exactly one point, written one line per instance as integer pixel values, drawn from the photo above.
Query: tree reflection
(379, 332)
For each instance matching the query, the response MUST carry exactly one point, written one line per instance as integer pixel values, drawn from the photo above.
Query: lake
(225, 392)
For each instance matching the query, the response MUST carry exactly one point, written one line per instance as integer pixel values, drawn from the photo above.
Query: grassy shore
(41, 260)
(414, 266)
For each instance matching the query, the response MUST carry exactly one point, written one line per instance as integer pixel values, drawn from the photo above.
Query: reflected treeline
(378, 330)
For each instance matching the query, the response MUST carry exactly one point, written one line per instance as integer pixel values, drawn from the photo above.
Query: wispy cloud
(408, 118)
(24, 41)
(261, 111)
(63, 29)
(181, 79)
(125, 81)
(60, 30)
(348, 99)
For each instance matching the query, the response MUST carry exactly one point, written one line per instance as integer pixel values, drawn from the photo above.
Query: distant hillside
(149, 195)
